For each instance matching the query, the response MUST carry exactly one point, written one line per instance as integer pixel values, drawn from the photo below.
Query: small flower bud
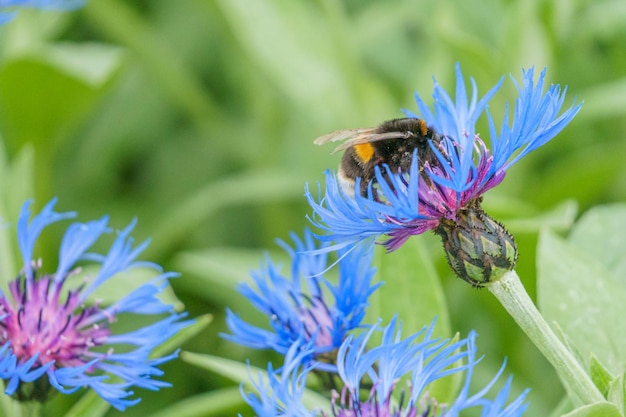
(478, 248)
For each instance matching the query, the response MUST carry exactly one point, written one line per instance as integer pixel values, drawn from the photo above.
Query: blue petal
(280, 394)
(293, 303)
(346, 219)
(121, 257)
(27, 233)
(144, 300)
(536, 120)
(77, 239)
(456, 120)
(115, 394)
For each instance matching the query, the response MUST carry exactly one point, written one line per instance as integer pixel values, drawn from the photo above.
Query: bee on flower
(430, 173)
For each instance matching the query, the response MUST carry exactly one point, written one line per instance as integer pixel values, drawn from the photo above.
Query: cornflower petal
(76, 240)
(298, 307)
(120, 257)
(457, 120)
(21, 372)
(424, 358)
(346, 219)
(495, 408)
(281, 392)
(29, 232)
(115, 394)
(144, 300)
(536, 120)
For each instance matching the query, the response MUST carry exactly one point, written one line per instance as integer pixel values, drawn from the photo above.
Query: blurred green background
(198, 117)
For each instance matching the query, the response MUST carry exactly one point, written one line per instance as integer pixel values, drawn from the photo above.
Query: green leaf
(560, 217)
(604, 19)
(413, 291)
(240, 373)
(603, 409)
(8, 406)
(223, 265)
(40, 102)
(89, 405)
(617, 392)
(600, 376)
(121, 22)
(95, 64)
(601, 233)
(579, 293)
(206, 404)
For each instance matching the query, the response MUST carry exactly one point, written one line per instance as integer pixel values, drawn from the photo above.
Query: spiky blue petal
(420, 356)
(296, 304)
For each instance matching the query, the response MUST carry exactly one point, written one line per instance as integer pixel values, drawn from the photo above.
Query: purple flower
(443, 193)
(296, 304)
(48, 327)
(420, 358)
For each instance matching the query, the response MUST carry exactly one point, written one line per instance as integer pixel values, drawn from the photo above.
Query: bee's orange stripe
(423, 127)
(364, 151)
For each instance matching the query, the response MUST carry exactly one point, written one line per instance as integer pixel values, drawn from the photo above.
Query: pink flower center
(35, 321)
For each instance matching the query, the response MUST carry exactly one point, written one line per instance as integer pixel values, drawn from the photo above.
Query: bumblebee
(391, 143)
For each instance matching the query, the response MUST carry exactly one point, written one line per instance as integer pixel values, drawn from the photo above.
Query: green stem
(513, 296)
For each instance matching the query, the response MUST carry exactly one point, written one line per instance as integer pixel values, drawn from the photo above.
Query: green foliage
(603, 409)
(198, 117)
(405, 273)
(578, 288)
(581, 288)
(600, 376)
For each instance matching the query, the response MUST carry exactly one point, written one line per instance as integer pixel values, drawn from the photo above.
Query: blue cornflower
(298, 305)
(444, 192)
(49, 329)
(420, 358)
(6, 16)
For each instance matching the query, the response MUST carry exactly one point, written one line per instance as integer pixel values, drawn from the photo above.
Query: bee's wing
(358, 136)
(371, 137)
(342, 135)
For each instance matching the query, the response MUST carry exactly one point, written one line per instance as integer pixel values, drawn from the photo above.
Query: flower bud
(478, 248)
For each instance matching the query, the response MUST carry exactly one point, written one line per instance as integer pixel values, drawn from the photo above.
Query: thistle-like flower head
(304, 305)
(53, 336)
(420, 357)
(444, 192)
